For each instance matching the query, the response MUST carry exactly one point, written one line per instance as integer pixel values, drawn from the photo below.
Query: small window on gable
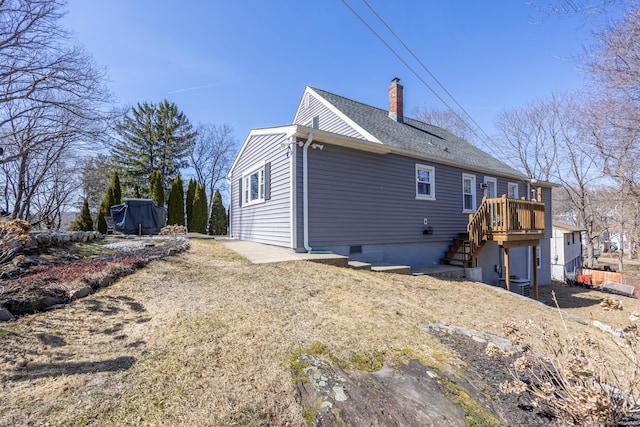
(512, 190)
(313, 123)
(468, 193)
(425, 182)
(305, 100)
(255, 185)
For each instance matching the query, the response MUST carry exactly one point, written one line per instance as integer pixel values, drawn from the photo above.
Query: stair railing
(505, 216)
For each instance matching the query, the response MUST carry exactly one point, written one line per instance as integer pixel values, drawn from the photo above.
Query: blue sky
(245, 63)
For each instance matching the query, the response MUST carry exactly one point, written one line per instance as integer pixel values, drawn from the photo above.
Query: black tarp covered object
(138, 216)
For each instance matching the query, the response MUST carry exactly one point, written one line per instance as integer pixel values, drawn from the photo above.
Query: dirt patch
(54, 276)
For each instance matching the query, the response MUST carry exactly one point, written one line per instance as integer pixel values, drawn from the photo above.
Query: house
(377, 186)
(566, 250)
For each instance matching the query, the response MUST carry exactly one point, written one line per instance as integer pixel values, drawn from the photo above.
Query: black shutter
(267, 181)
(240, 192)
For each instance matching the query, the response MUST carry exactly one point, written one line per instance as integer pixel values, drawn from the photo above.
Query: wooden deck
(511, 223)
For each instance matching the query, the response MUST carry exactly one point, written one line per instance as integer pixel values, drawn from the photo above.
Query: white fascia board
(340, 140)
(255, 132)
(343, 116)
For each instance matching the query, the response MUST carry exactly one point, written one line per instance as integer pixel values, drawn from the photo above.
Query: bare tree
(446, 119)
(552, 144)
(614, 116)
(531, 137)
(212, 156)
(52, 98)
(96, 177)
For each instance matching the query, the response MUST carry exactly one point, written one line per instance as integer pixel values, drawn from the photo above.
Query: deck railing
(504, 216)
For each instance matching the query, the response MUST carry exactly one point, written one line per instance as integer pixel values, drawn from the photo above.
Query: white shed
(566, 249)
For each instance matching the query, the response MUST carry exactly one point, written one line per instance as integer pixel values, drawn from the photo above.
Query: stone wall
(46, 239)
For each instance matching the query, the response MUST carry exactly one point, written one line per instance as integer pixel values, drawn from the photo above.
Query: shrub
(218, 218)
(574, 377)
(173, 230)
(13, 234)
(200, 218)
(83, 221)
(175, 210)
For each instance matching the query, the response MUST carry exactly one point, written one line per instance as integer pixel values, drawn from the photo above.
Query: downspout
(305, 192)
(229, 227)
(293, 148)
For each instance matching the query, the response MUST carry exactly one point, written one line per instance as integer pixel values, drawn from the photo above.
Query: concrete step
(456, 262)
(397, 269)
(359, 265)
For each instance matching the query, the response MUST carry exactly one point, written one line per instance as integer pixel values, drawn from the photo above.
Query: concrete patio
(259, 253)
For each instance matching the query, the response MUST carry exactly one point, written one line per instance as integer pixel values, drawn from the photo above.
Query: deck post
(506, 268)
(535, 271)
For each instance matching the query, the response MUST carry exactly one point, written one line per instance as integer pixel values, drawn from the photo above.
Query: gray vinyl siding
(358, 198)
(327, 119)
(267, 222)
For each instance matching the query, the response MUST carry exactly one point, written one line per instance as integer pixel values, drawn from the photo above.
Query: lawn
(205, 338)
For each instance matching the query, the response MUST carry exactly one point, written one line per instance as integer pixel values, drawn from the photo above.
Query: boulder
(81, 292)
(6, 316)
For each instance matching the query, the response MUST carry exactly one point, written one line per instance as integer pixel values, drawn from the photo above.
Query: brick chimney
(396, 111)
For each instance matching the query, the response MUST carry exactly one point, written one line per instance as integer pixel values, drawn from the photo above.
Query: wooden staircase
(510, 222)
(459, 253)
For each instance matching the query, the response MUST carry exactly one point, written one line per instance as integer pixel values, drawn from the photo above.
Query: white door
(490, 190)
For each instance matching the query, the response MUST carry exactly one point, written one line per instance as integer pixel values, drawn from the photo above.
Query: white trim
(292, 192)
(367, 146)
(511, 185)
(305, 192)
(473, 192)
(431, 182)
(261, 191)
(341, 115)
(494, 181)
(287, 130)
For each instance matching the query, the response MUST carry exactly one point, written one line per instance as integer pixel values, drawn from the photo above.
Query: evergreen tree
(218, 219)
(83, 221)
(117, 189)
(153, 137)
(156, 190)
(136, 192)
(175, 214)
(191, 192)
(199, 218)
(104, 210)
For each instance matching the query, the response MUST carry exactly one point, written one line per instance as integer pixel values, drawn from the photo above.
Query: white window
(538, 258)
(512, 190)
(425, 182)
(253, 186)
(468, 193)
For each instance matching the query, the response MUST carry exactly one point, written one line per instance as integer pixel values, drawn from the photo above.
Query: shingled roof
(418, 137)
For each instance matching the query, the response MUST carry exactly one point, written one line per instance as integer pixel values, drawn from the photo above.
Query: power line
(415, 73)
(426, 69)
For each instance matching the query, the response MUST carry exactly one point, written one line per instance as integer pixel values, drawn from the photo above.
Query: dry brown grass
(204, 339)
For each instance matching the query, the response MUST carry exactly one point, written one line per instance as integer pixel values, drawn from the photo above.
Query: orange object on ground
(584, 280)
(599, 277)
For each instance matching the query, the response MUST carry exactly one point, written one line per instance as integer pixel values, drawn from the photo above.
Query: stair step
(359, 265)
(397, 269)
(457, 255)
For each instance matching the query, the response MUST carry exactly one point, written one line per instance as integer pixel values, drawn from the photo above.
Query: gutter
(305, 191)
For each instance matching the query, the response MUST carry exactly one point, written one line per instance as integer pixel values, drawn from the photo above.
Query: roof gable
(413, 136)
(306, 110)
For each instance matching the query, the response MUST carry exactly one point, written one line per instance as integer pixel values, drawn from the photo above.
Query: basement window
(356, 249)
